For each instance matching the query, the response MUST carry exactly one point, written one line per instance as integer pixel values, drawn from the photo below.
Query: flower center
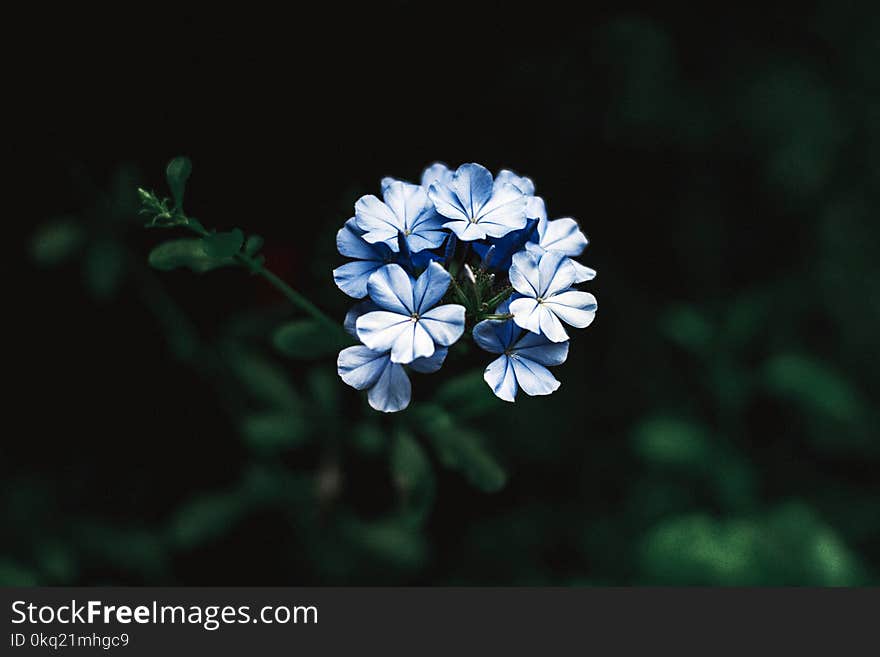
(540, 299)
(414, 317)
(407, 232)
(473, 220)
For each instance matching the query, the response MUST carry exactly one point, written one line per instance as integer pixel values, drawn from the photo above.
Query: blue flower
(407, 324)
(436, 173)
(387, 384)
(406, 209)
(523, 360)
(565, 237)
(352, 277)
(475, 207)
(497, 253)
(547, 297)
(535, 208)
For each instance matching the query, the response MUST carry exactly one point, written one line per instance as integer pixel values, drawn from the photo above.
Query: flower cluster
(462, 249)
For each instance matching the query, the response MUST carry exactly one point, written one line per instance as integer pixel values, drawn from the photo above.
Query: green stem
(294, 297)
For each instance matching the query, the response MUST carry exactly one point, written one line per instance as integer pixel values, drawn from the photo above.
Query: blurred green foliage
(716, 426)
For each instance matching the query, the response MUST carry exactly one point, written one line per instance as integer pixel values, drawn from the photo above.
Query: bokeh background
(717, 424)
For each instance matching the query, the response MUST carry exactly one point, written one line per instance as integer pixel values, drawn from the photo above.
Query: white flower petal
(430, 288)
(352, 277)
(447, 203)
(430, 364)
(533, 378)
(523, 274)
(412, 343)
(445, 324)
(573, 307)
(539, 349)
(436, 173)
(582, 273)
(472, 184)
(379, 330)
(360, 367)
(551, 326)
(465, 230)
(390, 287)
(503, 212)
(501, 378)
(377, 220)
(562, 235)
(526, 313)
(555, 273)
(392, 392)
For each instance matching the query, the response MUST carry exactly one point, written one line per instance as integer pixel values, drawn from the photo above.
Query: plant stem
(255, 266)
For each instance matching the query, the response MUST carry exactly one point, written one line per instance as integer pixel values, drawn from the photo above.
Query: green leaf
(687, 327)
(253, 244)
(56, 242)
(103, 269)
(672, 442)
(224, 245)
(814, 386)
(369, 438)
(305, 339)
(388, 540)
(266, 382)
(185, 252)
(413, 476)
(204, 519)
(467, 395)
(461, 449)
(13, 574)
(274, 430)
(177, 173)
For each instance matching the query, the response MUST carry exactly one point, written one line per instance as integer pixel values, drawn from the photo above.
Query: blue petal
(377, 220)
(392, 289)
(436, 173)
(533, 378)
(447, 202)
(582, 272)
(501, 378)
(503, 212)
(525, 185)
(555, 273)
(361, 367)
(524, 275)
(573, 307)
(472, 184)
(350, 243)
(562, 235)
(495, 335)
(385, 183)
(380, 329)
(445, 324)
(535, 208)
(539, 349)
(352, 277)
(430, 288)
(392, 392)
(430, 364)
(412, 343)
(506, 246)
(351, 317)
(465, 230)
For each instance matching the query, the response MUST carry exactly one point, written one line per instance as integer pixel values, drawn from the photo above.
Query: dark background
(716, 424)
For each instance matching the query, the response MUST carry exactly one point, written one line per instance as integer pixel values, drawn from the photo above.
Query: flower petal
(360, 367)
(391, 288)
(392, 392)
(412, 343)
(385, 183)
(562, 235)
(501, 378)
(551, 326)
(555, 273)
(358, 309)
(533, 378)
(377, 220)
(430, 364)
(496, 335)
(503, 212)
(523, 274)
(379, 330)
(573, 307)
(350, 242)
(526, 313)
(525, 185)
(535, 208)
(582, 273)
(430, 288)
(407, 202)
(472, 184)
(445, 324)
(446, 202)
(539, 349)
(352, 277)
(465, 230)
(436, 173)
